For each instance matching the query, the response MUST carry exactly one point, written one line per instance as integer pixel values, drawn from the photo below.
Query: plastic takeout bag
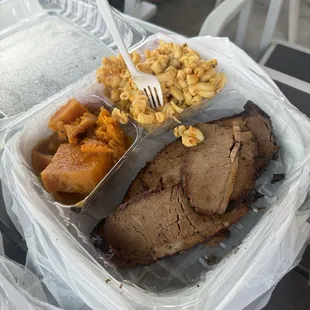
(20, 288)
(268, 243)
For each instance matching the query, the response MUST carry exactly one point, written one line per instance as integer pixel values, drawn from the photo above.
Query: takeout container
(152, 43)
(183, 270)
(184, 278)
(47, 45)
(88, 94)
(88, 91)
(262, 246)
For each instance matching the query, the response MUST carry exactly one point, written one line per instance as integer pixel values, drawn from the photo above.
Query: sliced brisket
(160, 224)
(159, 218)
(163, 171)
(246, 174)
(209, 171)
(259, 123)
(255, 150)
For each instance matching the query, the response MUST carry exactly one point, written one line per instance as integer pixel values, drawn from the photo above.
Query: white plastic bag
(20, 288)
(59, 250)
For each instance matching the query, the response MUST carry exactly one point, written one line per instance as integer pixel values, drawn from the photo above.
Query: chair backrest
(227, 10)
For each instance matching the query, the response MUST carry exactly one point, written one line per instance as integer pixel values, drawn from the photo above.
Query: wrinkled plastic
(57, 238)
(47, 45)
(20, 288)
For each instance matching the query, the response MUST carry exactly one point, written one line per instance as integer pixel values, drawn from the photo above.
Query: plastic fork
(145, 82)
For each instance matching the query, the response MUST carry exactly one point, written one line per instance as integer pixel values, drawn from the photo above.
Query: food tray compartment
(188, 268)
(169, 274)
(142, 286)
(151, 43)
(48, 45)
(87, 93)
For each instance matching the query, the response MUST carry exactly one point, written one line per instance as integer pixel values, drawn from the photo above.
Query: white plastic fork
(145, 82)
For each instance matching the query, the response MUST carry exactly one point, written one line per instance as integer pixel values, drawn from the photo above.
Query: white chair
(293, 20)
(273, 13)
(140, 9)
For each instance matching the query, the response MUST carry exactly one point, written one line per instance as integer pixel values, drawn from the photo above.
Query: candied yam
(80, 126)
(61, 131)
(104, 119)
(114, 133)
(73, 171)
(67, 113)
(49, 145)
(40, 161)
(110, 133)
(103, 112)
(95, 146)
(118, 150)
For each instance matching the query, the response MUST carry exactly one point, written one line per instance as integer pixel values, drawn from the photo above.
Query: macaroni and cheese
(185, 79)
(190, 137)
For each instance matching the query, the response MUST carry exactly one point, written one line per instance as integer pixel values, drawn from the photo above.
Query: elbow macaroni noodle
(185, 79)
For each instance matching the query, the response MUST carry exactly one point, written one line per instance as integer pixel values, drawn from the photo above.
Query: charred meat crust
(259, 123)
(267, 146)
(247, 174)
(251, 109)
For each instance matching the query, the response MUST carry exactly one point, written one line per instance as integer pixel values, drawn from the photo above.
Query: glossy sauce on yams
(80, 152)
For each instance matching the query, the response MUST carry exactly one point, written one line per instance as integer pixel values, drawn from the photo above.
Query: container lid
(47, 45)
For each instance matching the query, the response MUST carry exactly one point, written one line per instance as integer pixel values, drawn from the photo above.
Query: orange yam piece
(81, 125)
(110, 133)
(67, 113)
(40, 161)
(73, 171)
(95, 146)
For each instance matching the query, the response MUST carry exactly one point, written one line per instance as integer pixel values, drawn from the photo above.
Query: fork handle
(107, 15)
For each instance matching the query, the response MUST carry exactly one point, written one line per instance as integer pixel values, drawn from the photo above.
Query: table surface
(291, 292)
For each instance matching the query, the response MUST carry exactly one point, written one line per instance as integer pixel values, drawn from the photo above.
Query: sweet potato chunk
(40, 161)
(73, 171)
(80, 126)
(95, 146)
(110, 133)
(67, 114)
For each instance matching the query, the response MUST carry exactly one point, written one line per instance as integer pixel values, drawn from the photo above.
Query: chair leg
(293, 16)
(270, 24)
(243, 23)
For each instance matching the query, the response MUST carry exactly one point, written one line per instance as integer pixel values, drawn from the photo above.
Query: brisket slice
(209, 171)
(259, 123)
(247, 161)
(163, 171)
(137, 186)
(256, 151)
(159, 224)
